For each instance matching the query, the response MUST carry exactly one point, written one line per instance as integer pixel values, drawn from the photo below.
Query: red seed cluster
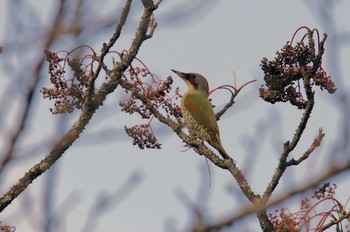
(160, 96)
(293, 67)
(315, 212)
(143, 136)
(284, 220)
(71, 77)
(68, 91)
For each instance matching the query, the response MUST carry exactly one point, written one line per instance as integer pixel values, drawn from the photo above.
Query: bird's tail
(218, 146)
(223, 153)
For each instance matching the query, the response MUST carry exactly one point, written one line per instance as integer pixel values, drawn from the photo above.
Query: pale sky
(221, 38)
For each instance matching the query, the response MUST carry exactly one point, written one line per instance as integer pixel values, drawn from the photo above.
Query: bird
(198, 112)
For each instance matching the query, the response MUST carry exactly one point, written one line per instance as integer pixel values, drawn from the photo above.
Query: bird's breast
(195, 126)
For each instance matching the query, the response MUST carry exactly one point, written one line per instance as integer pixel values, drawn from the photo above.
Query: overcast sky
(215, 39)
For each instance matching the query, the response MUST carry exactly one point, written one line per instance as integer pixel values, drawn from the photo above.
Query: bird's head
(194, 81)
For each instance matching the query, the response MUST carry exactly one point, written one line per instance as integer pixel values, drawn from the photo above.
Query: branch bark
(89, 108)
(34, 77)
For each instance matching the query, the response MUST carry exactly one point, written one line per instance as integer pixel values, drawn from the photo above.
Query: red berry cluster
(69, 90)
(284, 221)
(320, 211)
(72, 76)
(292, 66)
(143, 136)
(327, 190)
(157, 92)
(154, 89)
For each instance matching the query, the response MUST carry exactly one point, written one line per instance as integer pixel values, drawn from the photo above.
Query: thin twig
(199, 147)
(244, 212)
(232, 100)
(314, 145)
(113, 39)
(51, 37)
(73, 134)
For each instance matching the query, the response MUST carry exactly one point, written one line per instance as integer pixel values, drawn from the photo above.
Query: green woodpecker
(197, 111)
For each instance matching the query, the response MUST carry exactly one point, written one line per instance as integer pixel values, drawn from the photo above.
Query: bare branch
(314, 145)
(232, 100)
(343, 216)
(289, 146)
(35, 76)
(89, 109)
(158, 3)
(261, 206)
(153, 26)
(114, 38)
(199, 147)
(147, 3)
(107, 201)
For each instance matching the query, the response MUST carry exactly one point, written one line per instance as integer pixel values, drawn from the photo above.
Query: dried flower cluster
(292, 66)
(157, 91)
(7, 228)
(143, 136)
(68, 92)
(326, 191)
(70, 89)
(312, 216)
(284, 221)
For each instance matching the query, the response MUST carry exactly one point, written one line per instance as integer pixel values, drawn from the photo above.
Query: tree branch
(50, 38)
(262, 206)
(114, 38)
(232, 100)
(199, 147)
(88, 110)
(288, 147)
(314, 145)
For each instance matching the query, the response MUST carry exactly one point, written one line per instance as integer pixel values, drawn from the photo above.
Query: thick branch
(199, 147)
(251, 209)
(314, 145)
(88, 110)
(344, 216)
(289, 146)
(114, 38)
(232, 100)
(51, 37)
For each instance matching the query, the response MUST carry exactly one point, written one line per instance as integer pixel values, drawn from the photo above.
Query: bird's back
(199, 115)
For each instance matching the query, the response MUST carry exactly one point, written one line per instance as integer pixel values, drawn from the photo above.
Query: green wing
(200, 108)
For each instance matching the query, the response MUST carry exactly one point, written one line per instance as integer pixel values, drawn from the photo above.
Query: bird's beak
(181, 74)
